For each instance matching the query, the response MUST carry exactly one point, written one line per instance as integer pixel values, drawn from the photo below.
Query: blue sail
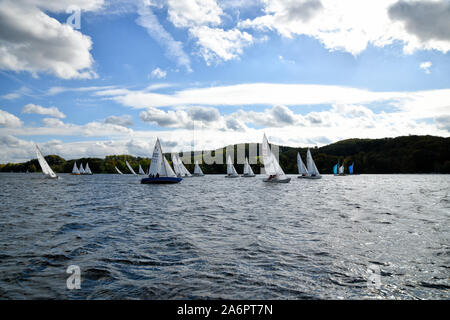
(335, 169)
(350, 169)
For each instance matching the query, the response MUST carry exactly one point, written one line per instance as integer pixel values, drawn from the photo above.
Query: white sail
(301, 166)
(46, 170)
(248, 169)
(75, 168)
(118, 171)
(341, 169)
(311, 166)
(130, 168)
(81, 169)
(197, 170)
(271, 165)
(183, 168)
(176, 165)
(159, 164)
(246, 166)
(231, 171)
(141, 172)
(87, 170)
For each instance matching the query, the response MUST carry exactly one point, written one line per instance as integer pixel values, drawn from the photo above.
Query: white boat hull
(277, 180)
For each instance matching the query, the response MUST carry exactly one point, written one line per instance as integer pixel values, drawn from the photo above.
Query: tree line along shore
(406, 154)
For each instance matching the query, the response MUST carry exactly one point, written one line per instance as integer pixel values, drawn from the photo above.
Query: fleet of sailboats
(160, 170)
(78, 171)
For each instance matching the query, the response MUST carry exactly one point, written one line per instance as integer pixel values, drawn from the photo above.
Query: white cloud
(174, 49)
(426, 65)
(353, 24)
(193, 13)
(9, 120)
(157, 73)
(217, 44)
(124, 120)
(22, 91)
(30, 40)
(51, 111)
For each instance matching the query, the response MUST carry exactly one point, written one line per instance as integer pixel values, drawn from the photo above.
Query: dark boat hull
(161, 180)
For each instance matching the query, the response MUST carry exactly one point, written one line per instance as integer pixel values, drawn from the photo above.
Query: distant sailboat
(160, 170)
(335, 169)
(46, 170)
(313, 173)
(338, 170)
(350, 168)
(75, 170)
(271, 165)
(81, 169)
(248, 172)
(341, 170)
(179, 167)
(118, 171)
(197, 170)
(141, 172)
(130, 168)
(87, 170)
(231, 171)
(302, 171)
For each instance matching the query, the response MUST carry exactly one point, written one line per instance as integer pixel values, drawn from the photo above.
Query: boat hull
(231, 176)
(277, 180)
(312, 177)
(248, 176)
(197, 175)
(301, 177)
(161, 180)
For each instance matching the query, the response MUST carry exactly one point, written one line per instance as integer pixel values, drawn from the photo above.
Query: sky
(90, 78)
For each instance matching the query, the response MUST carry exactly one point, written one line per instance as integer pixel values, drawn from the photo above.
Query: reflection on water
(367, 236)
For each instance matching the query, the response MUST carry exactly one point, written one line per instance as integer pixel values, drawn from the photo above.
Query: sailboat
(197, 170)
(302, 171)
(81, 169)
(46, 170)
(87, 170)
(179, 167)
(248, 172)
(160, 170)
(271, 165)
(130, 168)
(75, 170)
(118, 171)
(231, 171)
(313, 173)
(141, 171)
(338, 170)
(350, 168)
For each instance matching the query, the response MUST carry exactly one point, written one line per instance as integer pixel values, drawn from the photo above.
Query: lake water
(353, 237)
